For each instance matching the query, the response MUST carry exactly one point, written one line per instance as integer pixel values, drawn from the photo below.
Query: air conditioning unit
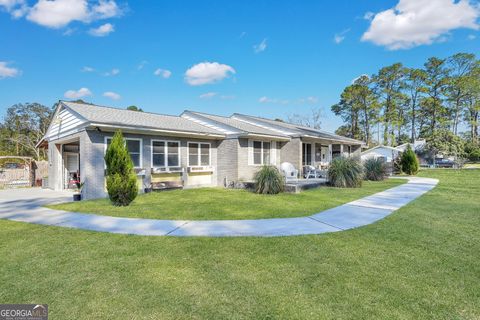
(167, 170)
(200, 169)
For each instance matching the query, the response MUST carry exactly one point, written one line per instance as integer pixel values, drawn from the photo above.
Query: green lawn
(216, 203)
(422, 262)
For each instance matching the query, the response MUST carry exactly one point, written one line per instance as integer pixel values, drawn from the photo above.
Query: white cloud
(88, 69)
(8, 72)
(208, 95)
(113, 72)
(82, 92)
(59, 13)
(102, 31)
(142, 64)
(368, 15)
(310, 100)
(339, 37)
(262, 46)
(207, 72)
(413, 23)
(163, 73)
(112, 95)
(471, 37)
(17, 8)
(106, 9)
(266, 99)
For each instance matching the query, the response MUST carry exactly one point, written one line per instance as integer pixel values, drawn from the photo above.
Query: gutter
(171, 132)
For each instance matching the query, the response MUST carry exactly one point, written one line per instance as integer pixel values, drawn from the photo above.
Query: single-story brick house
(195, 148)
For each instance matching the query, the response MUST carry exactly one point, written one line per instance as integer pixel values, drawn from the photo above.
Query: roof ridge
(120, 109)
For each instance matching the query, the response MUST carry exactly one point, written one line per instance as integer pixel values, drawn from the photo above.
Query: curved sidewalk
(25, 205)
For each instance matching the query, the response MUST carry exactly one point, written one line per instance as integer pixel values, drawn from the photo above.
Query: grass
(422, 262)
(216, 203)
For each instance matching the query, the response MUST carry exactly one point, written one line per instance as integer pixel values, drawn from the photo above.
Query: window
(134, 147)
(165, 153)
(261, 152)
(198, 154)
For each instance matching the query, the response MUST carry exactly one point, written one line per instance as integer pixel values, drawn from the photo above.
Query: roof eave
(157, 130)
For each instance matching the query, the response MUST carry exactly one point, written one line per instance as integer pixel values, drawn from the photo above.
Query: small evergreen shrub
(409, 161)
(345, 172)
(375, 169)
(121, 179)
(268, 180)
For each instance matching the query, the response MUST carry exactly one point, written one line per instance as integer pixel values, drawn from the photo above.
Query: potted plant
(78, 195)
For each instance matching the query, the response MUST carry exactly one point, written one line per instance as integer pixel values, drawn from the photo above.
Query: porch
(304, 184)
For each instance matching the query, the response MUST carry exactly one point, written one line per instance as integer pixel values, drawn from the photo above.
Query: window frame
(199, 156)
(126, 139)
(166, 153)
(262, 152)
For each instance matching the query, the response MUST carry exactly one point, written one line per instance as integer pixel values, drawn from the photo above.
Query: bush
(375, 169)
(345, 173)
(409, 161)
(268, 180)
(121, 179)
(474, 155)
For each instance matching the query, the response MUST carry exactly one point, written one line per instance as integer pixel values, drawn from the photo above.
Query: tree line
(403, 104)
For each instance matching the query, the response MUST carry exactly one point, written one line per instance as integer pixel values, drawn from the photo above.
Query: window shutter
(250, 152)
(273, 153)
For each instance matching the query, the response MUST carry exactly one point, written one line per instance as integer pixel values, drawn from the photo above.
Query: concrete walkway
(25, 205)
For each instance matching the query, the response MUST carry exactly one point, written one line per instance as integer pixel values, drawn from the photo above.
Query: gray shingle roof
(298, 129)
(114, 116)
(243, 126)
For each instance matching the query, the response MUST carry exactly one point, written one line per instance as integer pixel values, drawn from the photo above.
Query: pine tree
(121, 179)
(409, 161)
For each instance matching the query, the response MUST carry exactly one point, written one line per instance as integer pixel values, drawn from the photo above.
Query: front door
(306, 154)
(72, 170)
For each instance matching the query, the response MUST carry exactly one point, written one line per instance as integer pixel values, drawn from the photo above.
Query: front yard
(220, 204)
(422, 262)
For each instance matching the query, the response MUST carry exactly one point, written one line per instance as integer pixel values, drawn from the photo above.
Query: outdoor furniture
(310, 172)
(289, 172)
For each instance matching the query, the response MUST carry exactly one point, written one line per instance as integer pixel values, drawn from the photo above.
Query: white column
(330, 153)
(341, 150)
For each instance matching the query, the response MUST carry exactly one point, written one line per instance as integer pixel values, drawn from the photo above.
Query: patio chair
(289, 172)
(310, 172)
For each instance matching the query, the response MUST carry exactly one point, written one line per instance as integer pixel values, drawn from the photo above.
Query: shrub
(268, 180)
(121, 179)
(474, 155)
(375, 169)
(345, 172)
(409, 161)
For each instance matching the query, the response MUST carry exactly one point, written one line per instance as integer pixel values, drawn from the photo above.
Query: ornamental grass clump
(121, 179)
(409, 161)
(268, 180)
(345, 172)
(374, 169)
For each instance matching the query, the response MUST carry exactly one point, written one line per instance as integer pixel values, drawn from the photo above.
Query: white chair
(310, 172)
(289, 172)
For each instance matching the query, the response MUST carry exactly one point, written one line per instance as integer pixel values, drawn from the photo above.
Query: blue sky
(266, 58)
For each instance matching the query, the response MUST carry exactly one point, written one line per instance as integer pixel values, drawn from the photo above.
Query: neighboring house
(386, 153)
(194, 148)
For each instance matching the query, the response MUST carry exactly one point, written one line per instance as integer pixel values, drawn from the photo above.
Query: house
(196, 149)
(386, 153)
